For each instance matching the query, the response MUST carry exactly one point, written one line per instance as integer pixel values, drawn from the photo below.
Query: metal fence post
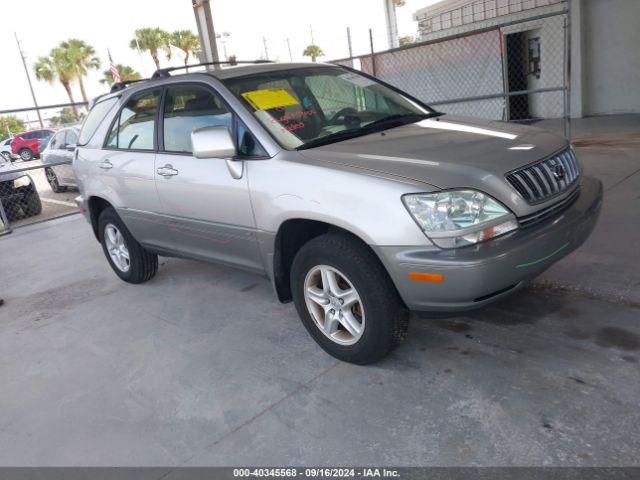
(567, 80)
(373, 57)
(5, 221)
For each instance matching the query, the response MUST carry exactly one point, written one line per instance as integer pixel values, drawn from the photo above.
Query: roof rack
(117, 86)
(165, 72)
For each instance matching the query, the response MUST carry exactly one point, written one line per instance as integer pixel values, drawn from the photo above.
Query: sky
(111, 25)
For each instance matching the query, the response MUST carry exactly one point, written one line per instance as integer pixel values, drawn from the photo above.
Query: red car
(29, 145)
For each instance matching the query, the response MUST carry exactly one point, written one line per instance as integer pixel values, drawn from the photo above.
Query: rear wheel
(53, 181)
(346, 299)
(26, 155)
(32, 205)
(128, 259)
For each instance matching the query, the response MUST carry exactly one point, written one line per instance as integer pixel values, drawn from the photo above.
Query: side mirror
(212, 142)
(71, 147)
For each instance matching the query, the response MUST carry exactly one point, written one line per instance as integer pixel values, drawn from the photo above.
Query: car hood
(449, 152)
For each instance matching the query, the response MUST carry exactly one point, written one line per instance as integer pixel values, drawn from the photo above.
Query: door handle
(106, 165)
(167, 171)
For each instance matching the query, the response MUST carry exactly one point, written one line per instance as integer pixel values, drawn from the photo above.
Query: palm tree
(187, 41)
(313, 51)
(58, 66)
(84, 58)
(126, 74)
(151, 40)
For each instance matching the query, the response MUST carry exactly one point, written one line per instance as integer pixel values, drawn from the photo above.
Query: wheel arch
(96, 205)
(290, 237)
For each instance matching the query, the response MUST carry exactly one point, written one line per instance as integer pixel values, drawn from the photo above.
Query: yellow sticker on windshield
(271, 98)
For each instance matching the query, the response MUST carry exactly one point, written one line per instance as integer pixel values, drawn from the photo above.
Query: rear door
(209, 211)
(126, 168)
(65, 172)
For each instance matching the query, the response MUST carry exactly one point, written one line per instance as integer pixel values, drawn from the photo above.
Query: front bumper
(474, 276)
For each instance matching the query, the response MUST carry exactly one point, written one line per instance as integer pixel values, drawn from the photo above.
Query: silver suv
(358, 201)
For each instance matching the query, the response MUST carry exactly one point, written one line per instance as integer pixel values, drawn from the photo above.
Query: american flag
(114, 69)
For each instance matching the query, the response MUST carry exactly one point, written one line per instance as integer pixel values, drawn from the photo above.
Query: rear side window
(134, 129)
(95, 118)
(188, 107)
(71, 138)
(57, 142)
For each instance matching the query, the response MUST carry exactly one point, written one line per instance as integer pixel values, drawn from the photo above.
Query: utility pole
(266, 50)
(289, 45)
(204, 21)
(313, 42)
(392, 23)
(349, 41)
(26, 71)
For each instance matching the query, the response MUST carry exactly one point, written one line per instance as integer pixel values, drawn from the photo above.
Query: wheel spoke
(330, 322)
(349, 321)
(111, 235)
(330, 281)
(318, 296)
(349, 297)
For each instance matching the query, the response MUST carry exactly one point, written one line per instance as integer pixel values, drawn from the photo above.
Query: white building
(604, 42)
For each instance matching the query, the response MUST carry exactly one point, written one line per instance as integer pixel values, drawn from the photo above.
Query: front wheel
(346, 299)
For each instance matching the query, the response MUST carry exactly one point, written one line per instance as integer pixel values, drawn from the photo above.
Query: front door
(209, 212)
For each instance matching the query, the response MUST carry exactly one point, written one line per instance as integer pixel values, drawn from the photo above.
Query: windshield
(308, 107)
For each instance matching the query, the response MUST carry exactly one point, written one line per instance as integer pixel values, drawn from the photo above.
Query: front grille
(555, 209)
(540, 181)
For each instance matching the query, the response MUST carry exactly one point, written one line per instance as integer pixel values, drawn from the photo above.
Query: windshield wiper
(384, 123)
(400, 119)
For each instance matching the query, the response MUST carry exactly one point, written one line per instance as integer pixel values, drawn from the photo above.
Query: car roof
(244, 70)
(221, 74)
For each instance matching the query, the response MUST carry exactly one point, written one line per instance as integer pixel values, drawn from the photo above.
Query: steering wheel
(341, 113)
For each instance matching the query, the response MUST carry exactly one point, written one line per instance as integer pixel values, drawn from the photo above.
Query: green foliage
(151, 40)
(83, 57)
(64, 117)
(14, 124)
(187, 41)
(125, 71)
(313, 51)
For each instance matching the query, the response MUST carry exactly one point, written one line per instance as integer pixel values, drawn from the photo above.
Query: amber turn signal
(426, 277)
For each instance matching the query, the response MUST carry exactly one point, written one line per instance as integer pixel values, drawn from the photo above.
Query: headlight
(455, 218)
(22, 182)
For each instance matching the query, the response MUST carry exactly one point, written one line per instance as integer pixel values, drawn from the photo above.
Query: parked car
(58, 155)
(5, 150)
(358, 201)
(29, 145)
(18, 192)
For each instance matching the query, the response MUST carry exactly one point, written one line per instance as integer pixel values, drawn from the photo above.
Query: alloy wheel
(334, 304)
(117, 248)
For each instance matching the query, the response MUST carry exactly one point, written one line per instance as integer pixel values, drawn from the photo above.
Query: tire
(383, 318)
(32, 205)
(143, 265)
(26, 155)
(53, 181)
(6, 156)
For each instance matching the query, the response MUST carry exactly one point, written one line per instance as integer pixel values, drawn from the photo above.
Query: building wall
(610, 56)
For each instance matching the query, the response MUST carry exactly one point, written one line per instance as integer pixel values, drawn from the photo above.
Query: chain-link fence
(495, 63)
(37, 182)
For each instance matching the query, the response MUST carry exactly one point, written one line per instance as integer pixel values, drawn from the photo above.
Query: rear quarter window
(94, 119)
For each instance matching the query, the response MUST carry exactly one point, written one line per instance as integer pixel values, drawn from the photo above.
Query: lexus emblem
(558, 172)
